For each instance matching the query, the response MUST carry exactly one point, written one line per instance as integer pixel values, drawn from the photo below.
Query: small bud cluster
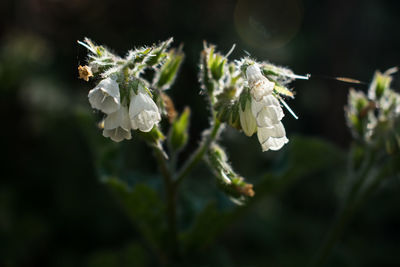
(375, 118)
(129, 101)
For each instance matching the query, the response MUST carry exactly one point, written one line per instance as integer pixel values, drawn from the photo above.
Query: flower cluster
(122, 94)
(142, 113)
(265, 113)
(248, 95)
(375, 118)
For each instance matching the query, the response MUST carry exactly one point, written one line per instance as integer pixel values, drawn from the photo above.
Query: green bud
(205, 76)
(357, 113)
(159, 54)
(178, 134)
(216, 64)
(166, 76)
(379, 84)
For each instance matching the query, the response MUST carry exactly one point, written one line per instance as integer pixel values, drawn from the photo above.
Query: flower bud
(117, 125)
(105, 96)
(143, 112)
(247, 120)
(379, 84)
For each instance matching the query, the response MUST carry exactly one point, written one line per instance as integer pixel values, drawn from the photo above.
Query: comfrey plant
(245, 94)
(374, 120)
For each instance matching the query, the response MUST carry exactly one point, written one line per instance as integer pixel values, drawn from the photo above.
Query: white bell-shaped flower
(273, 137)
(247, 120)
(267, 111)
(260, 86)
(143, 112)
(105, 96)
(117, 125)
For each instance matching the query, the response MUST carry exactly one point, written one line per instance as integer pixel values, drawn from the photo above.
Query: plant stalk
(197, 156)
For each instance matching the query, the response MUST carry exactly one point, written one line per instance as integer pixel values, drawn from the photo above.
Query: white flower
(273, 137)
(105, 96)
(260, 86)
(117, 125)
(267, 111)
(247, 120)
(143, 112)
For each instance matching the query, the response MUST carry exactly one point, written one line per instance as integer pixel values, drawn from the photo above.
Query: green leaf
(207, 225)
(144, 207)
(178, 134)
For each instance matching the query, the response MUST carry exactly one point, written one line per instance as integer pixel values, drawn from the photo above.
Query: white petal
(273, 143)
(268, 100)
(269, 115)
(261, 88)
(276, 131)
(146, 120)
(143, 112)
(118, 134)
(253, 74)
(139, 102)
(120, 118)
(105, 96)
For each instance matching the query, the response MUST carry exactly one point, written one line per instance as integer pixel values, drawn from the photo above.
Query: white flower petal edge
(117, 125)
(259, 85)
(272, 138)
(105, 96)
(143, 112)
(267, 111)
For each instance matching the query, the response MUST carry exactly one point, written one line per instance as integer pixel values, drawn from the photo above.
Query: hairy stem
(170, 194)
(197, 156)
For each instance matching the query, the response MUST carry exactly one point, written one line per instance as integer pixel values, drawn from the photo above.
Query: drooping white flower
(260, 86)
(247, 120)
(105, 96)
(267, 112)
(272, 137)
(143, 112)
(117, 125)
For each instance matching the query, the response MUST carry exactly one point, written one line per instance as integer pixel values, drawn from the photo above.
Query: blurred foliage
(55, 212)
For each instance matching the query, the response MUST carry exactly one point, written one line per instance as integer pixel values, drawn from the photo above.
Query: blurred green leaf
(206, 226)
(131, 255)
(306, 157)
(144, 207)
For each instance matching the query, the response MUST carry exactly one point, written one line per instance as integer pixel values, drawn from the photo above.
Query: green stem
(349, 207)
(170, 191)
(334, 234)
(197, 156)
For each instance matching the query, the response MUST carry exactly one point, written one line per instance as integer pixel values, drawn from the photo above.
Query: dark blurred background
(55, 212)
